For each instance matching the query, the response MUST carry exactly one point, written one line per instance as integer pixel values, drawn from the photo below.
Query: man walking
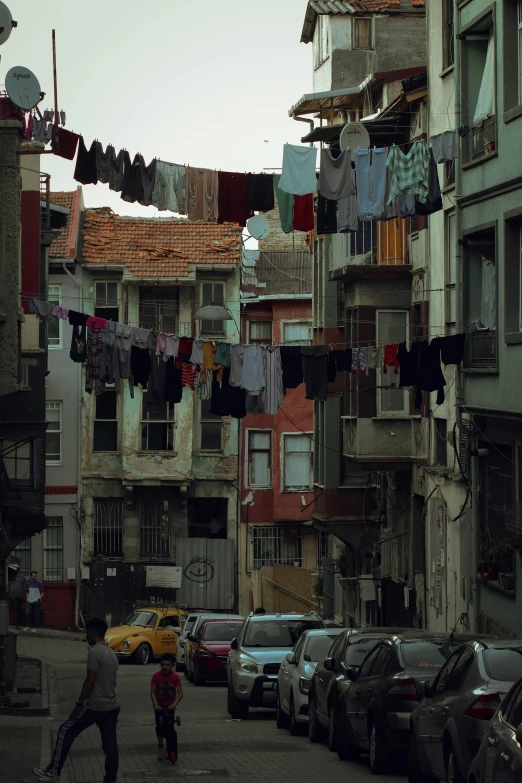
(16, 596)
(97, 704)
(34, 595)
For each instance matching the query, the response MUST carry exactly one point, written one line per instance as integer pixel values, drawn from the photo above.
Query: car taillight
(484, 707)
(403, 688)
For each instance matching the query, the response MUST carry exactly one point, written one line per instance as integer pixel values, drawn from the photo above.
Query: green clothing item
(223, 354)
(285, 202)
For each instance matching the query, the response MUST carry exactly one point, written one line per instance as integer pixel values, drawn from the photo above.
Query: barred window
(53, 550)
(108, 527)
(274, 545)
(159, 307)
(154, 528)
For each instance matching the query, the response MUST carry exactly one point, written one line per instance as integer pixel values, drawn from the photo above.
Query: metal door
(208, 580)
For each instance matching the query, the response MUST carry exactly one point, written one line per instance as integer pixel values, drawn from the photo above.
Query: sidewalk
(30, 696)
(50, 633)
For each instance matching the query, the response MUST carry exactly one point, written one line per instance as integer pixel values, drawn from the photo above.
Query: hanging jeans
(371, 182)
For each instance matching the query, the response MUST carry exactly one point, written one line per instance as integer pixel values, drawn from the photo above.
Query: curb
(46, 744)
(70, 636)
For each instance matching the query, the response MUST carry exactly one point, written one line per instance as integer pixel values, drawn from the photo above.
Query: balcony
(378, 250)
(482, 350)
(383, 443)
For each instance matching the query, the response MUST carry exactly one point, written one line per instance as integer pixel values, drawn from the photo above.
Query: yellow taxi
(148, 632)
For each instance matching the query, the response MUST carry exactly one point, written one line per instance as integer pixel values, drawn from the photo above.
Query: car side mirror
(307, 658)
(233, 644)
(290, 657)
(518, 735)
(329, 664)
(176, 630)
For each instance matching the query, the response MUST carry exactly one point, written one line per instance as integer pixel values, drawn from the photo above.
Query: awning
(329, 100)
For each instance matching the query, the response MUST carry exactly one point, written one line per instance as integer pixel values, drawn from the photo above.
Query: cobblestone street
(210, 744)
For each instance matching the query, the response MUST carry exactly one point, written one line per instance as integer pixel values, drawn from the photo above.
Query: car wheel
(142, 654)
(293, 724)
(197, 679)
(281, 718)
(332, 744)
(453, 774)
(315, 730)
(378, 750)
(237, 709)
(415, 774)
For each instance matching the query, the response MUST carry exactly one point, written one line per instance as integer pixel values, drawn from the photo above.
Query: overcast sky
(202, 82)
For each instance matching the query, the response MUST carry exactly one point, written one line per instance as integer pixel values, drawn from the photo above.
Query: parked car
(180, 653)
(330, 679)
(499, 759)
(448, 726)
(375, 711)
(255, 658)
(147, 633)
(189, 645)
(295, 676)
(211, 648)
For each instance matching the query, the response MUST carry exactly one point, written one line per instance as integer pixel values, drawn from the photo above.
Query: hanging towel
(444, 146)
(304, 212)
(260, 192)
(347, 210)
(285, 202)
(116, 167)
(335, 175)
(233, 198)
(370, 167)
(273, 394)
(409, 172)
(66, 144)
(298, 173)
(85, 169)
(132, 188)
(169, 187)
(202, 194)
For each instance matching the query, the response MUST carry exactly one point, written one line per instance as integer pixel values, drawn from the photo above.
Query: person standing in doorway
(16, 596)
(97, 704)
(33, 596)
(166, 693)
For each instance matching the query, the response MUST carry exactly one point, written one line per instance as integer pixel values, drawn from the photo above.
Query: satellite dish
(250, 257)
(354, 136)
(22, 87)
(258, 227)
(6, 22)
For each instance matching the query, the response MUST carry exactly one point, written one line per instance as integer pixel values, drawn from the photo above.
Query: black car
(331, 679)
(375, 711)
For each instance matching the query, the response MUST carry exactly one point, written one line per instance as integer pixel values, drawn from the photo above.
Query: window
(478, 83)
(157, 425)
(23, 552)
(53, 550)
(513, 277)
(321, 42)
(18, 461)
(211, 428)
(297, 333)
(159, 308)
(480, 303)
(207, 517)
(367, 665)
(53, 436)
(441, 684)
(297, 469)
(108, 527)
(276, 546)
(259, 458)
(154, 528)
(392, 327)
(322, 548)
(105, 422)
(440, 428)
(106, 301)
(451, 279)
(319, 437)
(381, 662)
(512, 55)
(54, 325)
(499, 487)
(449, 173)
(212, 294)
(448, 42)
(461, 669)
(260, 332)
(362, 33)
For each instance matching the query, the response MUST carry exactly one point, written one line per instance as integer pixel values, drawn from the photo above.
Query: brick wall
(277, 239)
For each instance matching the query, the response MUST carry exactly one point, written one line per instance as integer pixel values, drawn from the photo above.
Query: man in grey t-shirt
(98, 703)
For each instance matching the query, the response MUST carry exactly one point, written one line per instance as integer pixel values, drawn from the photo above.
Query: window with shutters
(212, 293)
(259, 456)
(297, 467)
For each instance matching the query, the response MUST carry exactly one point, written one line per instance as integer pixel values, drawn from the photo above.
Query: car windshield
(221, 632)
(277, 633)
(427, 655)
(188, 625)
(144, 619)
(504, 665)
(317, 646)
(358, 648)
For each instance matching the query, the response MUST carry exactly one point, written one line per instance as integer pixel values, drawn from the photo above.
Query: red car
(212, 645)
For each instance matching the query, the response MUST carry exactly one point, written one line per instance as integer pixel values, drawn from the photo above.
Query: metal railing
(154, 528)
(108, 527)
(276, 546)
(482, 349)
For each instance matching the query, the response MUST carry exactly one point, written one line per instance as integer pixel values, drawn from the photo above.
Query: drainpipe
(79, 467)
(310, 122)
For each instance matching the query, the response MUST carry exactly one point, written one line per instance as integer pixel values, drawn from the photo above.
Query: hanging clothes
(60, 312)
(185, 349)
(116, 167)
(253, 375)
(41, 309)
(273, 393)
(285, 203)
(298, 172)
(78, 352)
(203, 384)
(141, 367)
(156, 385)
(173, 390)
(406, 205)
(432, 377)
(223, 354)
(375, 359)
(77, 319)
(233, 198)
(335, 175)
(196, 356)
(452, 348)
(227, 400)
(433, 201)
(202, 194)
(444, 146)
(95, 322)
(94, 370)
(171, 347)
(209, 352)
(292, 364)
(169, 189)
(140, 337)
(390, 357)
(370, 168)
(360, 359)
(255, 404)
(132, 186)
(315, 370)
(304, 213)
(38, 129)
(236, 365)
(188, 374)
(409, 172)
(326, 216)
(148, 174)
(409, 364)
(348, 211)
(103, 162)
(66, 144)
(85, 169)
(260, 192)
(343, 359)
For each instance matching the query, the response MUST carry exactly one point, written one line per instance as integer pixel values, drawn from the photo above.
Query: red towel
(304, 212)
(66, 143)
(390, 356)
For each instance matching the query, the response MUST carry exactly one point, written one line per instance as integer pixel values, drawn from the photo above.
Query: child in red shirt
(166, 693)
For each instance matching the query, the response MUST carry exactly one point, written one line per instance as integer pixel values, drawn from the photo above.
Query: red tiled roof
(381, 5)
(157, 247)
(64, 243)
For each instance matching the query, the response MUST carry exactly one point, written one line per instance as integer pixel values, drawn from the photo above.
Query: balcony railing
(483, 139)
(482, 349)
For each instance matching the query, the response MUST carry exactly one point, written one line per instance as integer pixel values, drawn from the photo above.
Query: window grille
(53, 550)
(276, 546)
(154, 528)
(108, 527)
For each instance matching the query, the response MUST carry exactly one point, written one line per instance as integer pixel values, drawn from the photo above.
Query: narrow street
(211, 745)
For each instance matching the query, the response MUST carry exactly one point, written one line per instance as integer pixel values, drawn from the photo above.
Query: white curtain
(486, 97)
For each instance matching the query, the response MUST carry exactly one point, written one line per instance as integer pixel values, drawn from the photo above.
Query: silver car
(500, 756)
(180, 652)
(255, 658)
(448, 726)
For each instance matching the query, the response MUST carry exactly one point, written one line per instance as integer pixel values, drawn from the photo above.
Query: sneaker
(162, 754)
(42, 774)
(34, 630)
(172, 757)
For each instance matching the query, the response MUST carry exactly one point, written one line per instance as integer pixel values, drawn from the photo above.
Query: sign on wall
(164, 576)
